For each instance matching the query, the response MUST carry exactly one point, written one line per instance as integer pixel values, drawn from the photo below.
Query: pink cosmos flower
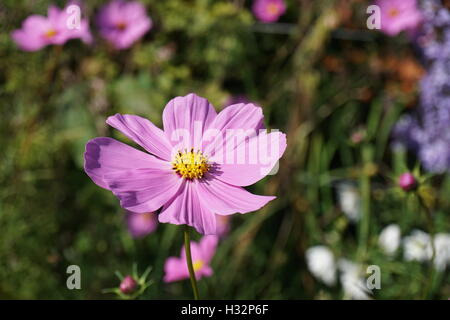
(39, 31)
(123, 23)
(176, 269)
(141, 224)
(268, 10)
(194, 169)
(399, 15)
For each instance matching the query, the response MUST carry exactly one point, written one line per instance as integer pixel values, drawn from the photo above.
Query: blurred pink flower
(268, 10)
(187, 173)
(176, 269)
(141, 224)
(399, 15)
(123, 23)
(128, 285)
(223, 225)
(38, 31)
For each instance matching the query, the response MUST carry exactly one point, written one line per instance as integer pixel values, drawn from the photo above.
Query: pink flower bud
(407, 181)
(128, 285)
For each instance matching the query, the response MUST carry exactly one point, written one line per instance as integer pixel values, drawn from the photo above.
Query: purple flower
(39, 31)
(194, 169)
(128, 285)
(399, 15)
(141, 224)
(407, 181)
(268, 10)
(427, 131)
(176, 269)
(123, 23)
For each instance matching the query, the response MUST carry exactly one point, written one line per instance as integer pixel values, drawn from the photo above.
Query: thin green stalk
(365, 189)
(431, 231)
(187, 248)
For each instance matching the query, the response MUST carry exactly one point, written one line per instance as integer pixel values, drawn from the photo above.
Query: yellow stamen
(121, 26)
(50, 33)
(190, 165)
(393, 12)
(272, 8)
(198, 264)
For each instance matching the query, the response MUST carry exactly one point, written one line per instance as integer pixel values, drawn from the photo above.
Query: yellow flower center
(121, 26)
(197, 265)
(393, 12)
(272, 8)
(50, 33)
(190, 165)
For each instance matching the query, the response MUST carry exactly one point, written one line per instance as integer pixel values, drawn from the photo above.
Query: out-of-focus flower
(349, 200)
(189, 172)
(352, 281)
(358, 136)
(399, 15)
(38, 31)
(407, 181)
(176, 268)
(389, 239)
(321, 264)
(268, 10)
(442, 247)
(128, 285)
(223, 225)
(123, 23)
(141, 224)
(417, 246)
(427, 132)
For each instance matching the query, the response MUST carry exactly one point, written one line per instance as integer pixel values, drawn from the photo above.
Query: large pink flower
(399, 15)
(39, 31)
(195, 168)
(176, 269)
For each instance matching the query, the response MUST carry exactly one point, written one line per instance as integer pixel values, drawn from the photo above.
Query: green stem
(187, 248)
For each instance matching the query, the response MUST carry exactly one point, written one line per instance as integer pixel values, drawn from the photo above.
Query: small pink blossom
(38, 31)
(202, 252)
(123, 23)
(268, 10)
(407, 181)
(141, 224)
(399, 15)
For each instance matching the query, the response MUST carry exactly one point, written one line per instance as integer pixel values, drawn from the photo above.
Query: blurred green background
(320, 77)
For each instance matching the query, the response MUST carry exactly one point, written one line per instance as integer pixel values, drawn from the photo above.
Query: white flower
(417, 246)
(321, 263)
(349, 200)
(442, 253)
(352, 281)
(389, 239)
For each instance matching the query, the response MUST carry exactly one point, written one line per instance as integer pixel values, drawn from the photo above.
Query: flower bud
(407, 181)
(128, 285)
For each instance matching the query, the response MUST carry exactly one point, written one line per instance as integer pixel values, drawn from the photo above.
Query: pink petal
(144, 133)
(185, 119)
(208, 245)
(106, 155)
(249, 160)
(175, 269)
(186, 208)
(143, 190)
(225, 199)
(239, 116)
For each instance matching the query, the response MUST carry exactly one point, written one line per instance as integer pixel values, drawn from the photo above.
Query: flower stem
(187, 248)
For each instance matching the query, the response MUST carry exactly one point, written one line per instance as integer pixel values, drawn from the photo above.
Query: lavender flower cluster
(428, 131)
